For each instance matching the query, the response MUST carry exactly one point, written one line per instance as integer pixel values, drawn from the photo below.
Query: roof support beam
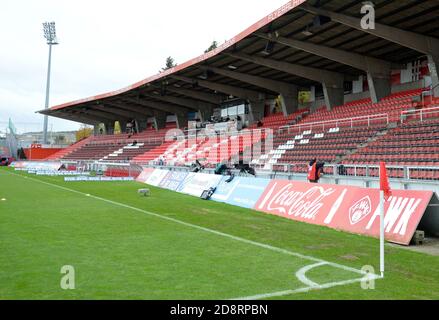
(100, 114)
(415, 41)
(136, 109)
(75, 113)
(255, 98)
(358, 61)
(80, 116)
(107, 107)
(81, 119)
(231, 90)
(195, 105)
(160, 106)
(208, 97)
(412, 40)
(146, 112)
(205, 109)
(332, 81)
(287, 91)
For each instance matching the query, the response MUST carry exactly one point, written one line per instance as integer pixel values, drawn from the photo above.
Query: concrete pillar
(290, 102)
(257, 108)
(160, 121)
(109, 128)
(334, 96)
(182, 120)
(379, 87)
(123, 125)
(206, 114)
(96, 129)
(433, 64)
(142, 124)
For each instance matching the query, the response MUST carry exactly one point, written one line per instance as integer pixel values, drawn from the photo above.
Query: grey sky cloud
(104, 46)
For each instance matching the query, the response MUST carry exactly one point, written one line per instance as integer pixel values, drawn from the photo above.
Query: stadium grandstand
(326, 122)
(373, 95)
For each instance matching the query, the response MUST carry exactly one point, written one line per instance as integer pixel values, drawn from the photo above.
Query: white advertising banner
(156, 177)
(196, 183)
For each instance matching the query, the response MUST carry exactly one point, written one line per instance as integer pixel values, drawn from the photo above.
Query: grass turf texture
(119, 253)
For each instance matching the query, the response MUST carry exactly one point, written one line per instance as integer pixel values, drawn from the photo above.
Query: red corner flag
(384, 181)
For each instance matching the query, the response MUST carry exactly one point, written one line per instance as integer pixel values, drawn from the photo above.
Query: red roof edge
(261, 23)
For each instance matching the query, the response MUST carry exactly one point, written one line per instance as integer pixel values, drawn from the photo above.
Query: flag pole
(382, 235)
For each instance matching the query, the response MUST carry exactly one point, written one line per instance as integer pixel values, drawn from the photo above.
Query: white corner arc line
(301, 274)
(307, 289)
(194, 226)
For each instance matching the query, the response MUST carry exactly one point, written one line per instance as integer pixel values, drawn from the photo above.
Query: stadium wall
(349, 208)
(40, 153)
(366, 182)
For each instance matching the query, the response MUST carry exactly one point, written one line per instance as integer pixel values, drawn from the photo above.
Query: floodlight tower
(50, 35)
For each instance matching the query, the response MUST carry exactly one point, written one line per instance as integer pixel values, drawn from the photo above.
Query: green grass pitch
(172, 246)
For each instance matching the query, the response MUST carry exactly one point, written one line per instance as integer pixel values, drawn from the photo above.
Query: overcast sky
(104, 45)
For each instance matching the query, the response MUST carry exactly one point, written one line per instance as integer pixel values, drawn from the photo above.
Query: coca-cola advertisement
(346, 208)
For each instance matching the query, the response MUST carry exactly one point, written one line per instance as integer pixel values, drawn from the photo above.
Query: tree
(84, 132)
(170, 63)
(213, 46)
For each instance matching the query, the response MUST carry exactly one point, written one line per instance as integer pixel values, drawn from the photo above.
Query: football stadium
(298, 160)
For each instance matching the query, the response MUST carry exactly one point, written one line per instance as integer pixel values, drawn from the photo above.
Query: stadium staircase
(154, 153)
(132, 150)
(210, 149)
(116, 148)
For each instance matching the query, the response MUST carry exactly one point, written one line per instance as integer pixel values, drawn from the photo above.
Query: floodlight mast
(50, 35)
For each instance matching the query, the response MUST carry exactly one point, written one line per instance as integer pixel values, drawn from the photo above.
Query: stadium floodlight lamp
(50, 33)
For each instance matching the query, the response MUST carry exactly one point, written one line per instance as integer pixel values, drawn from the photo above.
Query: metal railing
(359, 171)
(126, 140)
(337, 171)
(349, 122)
(422, 113)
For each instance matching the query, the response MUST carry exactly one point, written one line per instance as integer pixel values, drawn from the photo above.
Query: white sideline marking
(236, 238)
(307, 289)
(301, 274)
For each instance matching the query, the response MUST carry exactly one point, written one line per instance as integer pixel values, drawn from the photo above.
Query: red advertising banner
(346, 208)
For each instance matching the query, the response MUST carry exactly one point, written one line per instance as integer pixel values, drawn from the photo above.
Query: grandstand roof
(239, 65)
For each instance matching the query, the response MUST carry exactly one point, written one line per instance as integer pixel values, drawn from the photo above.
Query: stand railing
(359, 171)
(422, 113)
(347, 122)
